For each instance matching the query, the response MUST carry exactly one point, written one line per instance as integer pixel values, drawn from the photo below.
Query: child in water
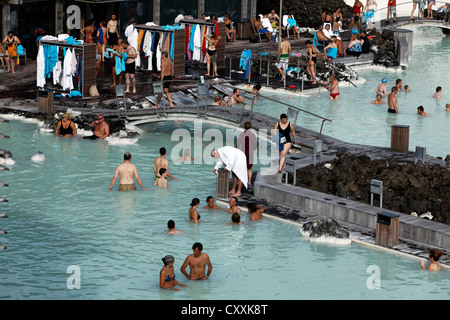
(407, 88)
(161, 181)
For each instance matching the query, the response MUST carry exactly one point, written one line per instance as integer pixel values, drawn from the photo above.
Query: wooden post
(45, 101)
(399, 137)
(387, 229)
(222, 184)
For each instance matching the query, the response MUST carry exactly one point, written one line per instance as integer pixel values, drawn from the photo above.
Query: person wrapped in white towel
(234, 161)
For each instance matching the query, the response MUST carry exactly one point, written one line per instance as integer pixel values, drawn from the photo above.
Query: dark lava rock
(407, 187)
(327, 227)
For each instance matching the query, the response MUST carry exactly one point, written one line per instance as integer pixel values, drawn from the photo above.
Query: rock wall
(407, 187)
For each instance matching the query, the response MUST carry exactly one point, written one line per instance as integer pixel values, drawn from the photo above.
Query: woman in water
(284, 128)
(167, 275)
(434, 258)
(66, 128)
(193, 214)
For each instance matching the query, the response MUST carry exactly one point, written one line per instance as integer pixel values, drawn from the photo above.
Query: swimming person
(381, 88)
(392, 101)
(447, 107)
(171, 227)
(210, 203)
(378, 100)
(101, 129)
(233, 202)
(193, 214)
(197, 263)
(437, 94)
(167, 275)
(162, 162)
(234, 161)
(407, 88)
(332, 86)
(434, 256)
(421, 111)
(66, 128)
(255, 211)
(236, 218)
(127, 173)
(161, 181)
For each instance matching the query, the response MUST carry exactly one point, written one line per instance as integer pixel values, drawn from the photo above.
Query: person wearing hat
(167, 275)
(381, 89)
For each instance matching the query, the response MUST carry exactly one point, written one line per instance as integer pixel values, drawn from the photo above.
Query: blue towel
(292, 22)
(74, 93)
(51, 58)
(120, 63)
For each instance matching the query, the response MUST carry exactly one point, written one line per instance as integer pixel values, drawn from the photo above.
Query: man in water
(162, 162)
(437, 94)
(255, 211)
(398, 84)
(101, 129)
(378, 100)
(197, 263)
(421, 111)
(236, 97)
(233, 202)
(392, 101)
(171, 227)
(166, 77)
(283, 57)
(332, 86)
(210, 203)
(127, 173)
(162, 180)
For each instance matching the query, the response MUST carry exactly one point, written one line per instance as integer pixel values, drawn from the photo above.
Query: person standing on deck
(166, 77)
(283, 57)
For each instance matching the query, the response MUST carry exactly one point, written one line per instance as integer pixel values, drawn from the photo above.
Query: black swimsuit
(285, 132)
(63, 131)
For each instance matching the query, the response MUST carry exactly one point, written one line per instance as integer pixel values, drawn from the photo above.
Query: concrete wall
(412, 228)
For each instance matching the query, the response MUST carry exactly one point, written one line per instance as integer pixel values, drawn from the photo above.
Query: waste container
(45, 101)
(244, 29)
(399, 137)
(387, 229)
(222, 184)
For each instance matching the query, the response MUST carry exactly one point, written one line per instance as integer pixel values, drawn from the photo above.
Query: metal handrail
(280, 102)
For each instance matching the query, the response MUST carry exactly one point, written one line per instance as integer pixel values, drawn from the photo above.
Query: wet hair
(162, 171)
(171, 224)
(195, 202)
(127, 156)
(283, 116)
(398, 81)
(308, 42)
(198, 246)
(251, 206)
(420, 108)
(435, 254)
(162, 151)
(247, 125)
(257, 87)
(235, 90)
(236, 218)
(165, 54)
(217, 98)
(209, 198)
(235, 199)
(438, 89)
(132, 20)
(394, 89)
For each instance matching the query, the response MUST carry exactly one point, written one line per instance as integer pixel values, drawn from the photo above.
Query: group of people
(381, 92)
(66, 128)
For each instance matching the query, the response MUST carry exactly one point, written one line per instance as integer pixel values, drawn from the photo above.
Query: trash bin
(244, 29)
(399, 137)
(45, 101)
(222, 184)
(387, 229)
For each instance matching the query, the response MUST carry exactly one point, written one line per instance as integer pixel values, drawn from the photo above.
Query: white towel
(234, 160)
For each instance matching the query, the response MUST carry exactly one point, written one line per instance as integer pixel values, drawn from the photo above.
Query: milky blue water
(62, 218)
(356, 120)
